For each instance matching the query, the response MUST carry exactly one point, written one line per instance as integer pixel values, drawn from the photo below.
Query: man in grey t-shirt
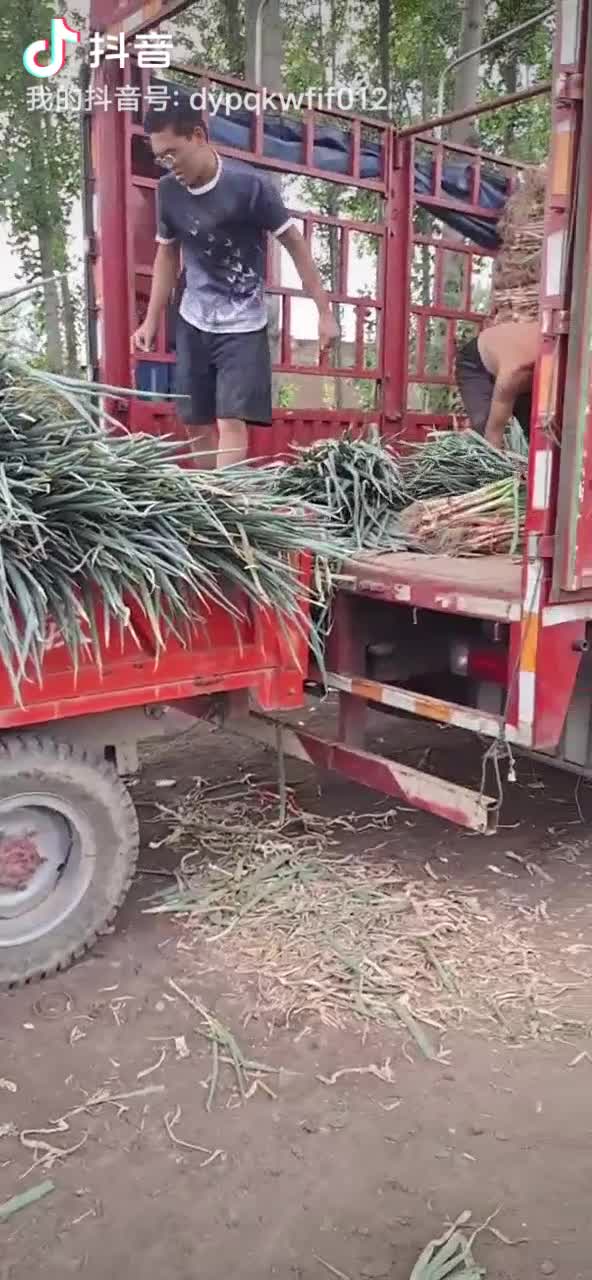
(218, 211)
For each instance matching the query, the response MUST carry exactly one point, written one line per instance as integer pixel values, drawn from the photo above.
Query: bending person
(494, 374)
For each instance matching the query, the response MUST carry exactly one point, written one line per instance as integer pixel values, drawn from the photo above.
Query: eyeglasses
(165, 162)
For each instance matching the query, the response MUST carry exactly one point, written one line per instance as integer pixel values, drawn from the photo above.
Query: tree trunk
(233, 36)
(69, 319)
(271, 43)
(423, 217)
(53, 346)
(333, 202)
(384, 49)
(510, 75)
(270, 73)
(45, 234)
(332, 207)
(466, 132)
(467, 76)
(66, 302)
(321, 49)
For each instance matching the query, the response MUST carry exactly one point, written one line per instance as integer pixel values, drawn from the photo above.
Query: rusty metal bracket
(555, 322)
(569, 86)
(545, 547)
(448, 800)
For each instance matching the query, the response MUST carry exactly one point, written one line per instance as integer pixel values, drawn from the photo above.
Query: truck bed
(222, 654)
(481, 586)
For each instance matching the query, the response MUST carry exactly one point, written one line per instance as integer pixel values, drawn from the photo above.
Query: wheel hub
(19, 859)
(34, 847)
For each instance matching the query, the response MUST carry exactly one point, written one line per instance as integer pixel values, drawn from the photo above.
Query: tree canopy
(400, 46)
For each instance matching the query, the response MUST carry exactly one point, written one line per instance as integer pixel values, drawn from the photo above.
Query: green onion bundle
(96, 523)
(456, 462)
(356, 483)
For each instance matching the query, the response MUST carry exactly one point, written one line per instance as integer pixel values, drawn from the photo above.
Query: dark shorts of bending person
(476, 386)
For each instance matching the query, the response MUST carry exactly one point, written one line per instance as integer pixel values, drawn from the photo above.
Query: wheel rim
(43, 873)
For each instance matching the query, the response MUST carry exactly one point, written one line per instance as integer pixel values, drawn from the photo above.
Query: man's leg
(203, 445)
(243, 390)
(232, 441)
(195, 385)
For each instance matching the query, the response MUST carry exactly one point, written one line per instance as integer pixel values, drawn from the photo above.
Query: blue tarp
(284, 140)
(457, 182)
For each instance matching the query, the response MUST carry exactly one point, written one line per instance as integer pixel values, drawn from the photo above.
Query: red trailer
(69, 832)
(491, 645)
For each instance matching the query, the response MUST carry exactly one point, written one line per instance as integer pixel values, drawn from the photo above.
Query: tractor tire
(68, 850)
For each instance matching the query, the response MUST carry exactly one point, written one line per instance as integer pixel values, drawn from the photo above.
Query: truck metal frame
(527, 619)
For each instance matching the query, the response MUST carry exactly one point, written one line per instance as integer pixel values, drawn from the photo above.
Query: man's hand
(294, 242)
(144, 337)
(496, 437)
(328, 329)
(164, 281)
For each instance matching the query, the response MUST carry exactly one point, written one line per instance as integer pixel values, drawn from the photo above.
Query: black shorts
(476, 384)
(222, 375)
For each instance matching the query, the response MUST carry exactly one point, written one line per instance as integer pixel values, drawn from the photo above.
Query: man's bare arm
(299, 252)
(505, 392)
(500, 412)
(164, 279)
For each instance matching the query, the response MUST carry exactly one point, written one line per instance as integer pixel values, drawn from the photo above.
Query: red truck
(490, 644)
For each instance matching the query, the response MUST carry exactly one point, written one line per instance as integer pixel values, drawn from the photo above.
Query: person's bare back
(509, 349)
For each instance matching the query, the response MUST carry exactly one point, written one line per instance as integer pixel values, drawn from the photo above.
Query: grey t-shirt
(221, 228)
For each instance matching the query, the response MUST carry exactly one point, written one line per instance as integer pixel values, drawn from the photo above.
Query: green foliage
(287, 395)
(39, 160)
(355, 481)
(211, 35)
(521, 132)
(325, 43)
(338, 43)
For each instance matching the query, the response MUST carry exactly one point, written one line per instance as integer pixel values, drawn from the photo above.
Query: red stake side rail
(547, 649)
(246, 652)
(394, 329)
(120, 204)
(544, 640)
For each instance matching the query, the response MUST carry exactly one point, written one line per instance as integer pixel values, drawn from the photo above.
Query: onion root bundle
(489, 520)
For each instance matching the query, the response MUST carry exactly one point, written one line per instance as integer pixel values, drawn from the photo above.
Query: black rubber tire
(110, 838)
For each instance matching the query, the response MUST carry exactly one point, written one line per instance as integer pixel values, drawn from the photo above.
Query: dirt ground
(350, 1179)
